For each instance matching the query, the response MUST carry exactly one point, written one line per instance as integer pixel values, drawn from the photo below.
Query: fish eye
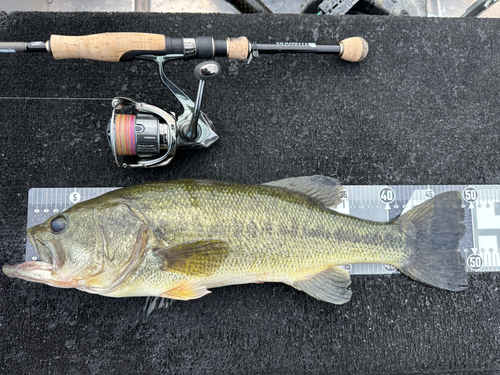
(58, 224)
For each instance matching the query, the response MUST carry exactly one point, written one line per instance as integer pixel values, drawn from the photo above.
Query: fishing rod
(147, 136)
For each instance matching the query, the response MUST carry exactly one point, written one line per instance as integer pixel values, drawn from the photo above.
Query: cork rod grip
(238, 48)
(104, 47)
(353, 49)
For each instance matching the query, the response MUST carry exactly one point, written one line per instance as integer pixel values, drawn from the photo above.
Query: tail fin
(433, 231)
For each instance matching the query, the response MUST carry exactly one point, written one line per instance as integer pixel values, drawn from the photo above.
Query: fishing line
(42, 98)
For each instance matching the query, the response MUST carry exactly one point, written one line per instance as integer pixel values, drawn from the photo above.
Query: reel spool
(142, 135)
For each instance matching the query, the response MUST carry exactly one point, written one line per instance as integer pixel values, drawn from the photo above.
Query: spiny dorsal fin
(325, 190)
(330, 285)
(195, 258)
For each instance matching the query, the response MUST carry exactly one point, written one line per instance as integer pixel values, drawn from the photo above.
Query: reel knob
(207, 70)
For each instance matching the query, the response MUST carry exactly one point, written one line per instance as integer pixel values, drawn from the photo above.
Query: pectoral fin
(330, 285)
(196, 258)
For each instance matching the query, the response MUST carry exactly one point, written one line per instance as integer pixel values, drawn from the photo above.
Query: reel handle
(203, 71)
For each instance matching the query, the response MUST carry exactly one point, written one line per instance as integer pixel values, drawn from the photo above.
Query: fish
(179, 239)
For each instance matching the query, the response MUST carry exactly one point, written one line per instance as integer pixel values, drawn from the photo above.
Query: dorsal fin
(325, 190)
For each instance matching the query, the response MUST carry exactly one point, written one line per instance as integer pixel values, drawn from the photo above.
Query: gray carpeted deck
(422, 108)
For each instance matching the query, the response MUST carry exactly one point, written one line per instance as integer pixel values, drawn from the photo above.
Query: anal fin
(330, 285)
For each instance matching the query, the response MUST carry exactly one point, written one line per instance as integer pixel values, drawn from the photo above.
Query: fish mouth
(38, 271)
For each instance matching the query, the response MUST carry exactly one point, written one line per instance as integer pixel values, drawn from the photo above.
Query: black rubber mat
(423, 107)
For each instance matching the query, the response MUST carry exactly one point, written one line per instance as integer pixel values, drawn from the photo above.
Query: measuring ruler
(479, 246)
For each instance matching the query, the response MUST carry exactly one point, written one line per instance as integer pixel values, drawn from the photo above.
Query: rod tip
(353, 49)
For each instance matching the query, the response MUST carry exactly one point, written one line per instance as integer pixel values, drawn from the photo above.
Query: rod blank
(12, 47)
(351, 49)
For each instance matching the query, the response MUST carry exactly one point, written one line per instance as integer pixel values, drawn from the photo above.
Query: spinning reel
(152, 135)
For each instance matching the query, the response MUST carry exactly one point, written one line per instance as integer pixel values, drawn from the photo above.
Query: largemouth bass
(178, 239)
